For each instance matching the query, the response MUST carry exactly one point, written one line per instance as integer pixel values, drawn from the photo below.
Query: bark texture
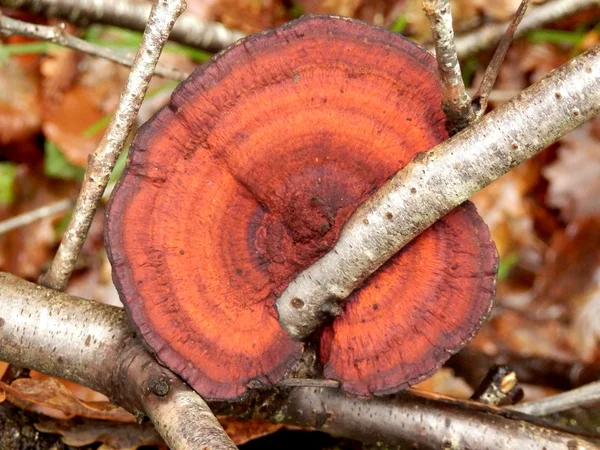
(101, 163)
(133, 15)
(129, 373)
(437, 181)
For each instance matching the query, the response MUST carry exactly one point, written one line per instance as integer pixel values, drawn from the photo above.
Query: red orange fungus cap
(247, 177)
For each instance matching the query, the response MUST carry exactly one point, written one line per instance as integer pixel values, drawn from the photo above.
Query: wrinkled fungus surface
(246, 178)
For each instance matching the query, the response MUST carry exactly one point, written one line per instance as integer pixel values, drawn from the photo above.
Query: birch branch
(102, 161)
(489, 35)
(580, 397)
(90, 343)
(29, 217)
(456, 103)
(133, 15)
(437, 181)
(58, 35)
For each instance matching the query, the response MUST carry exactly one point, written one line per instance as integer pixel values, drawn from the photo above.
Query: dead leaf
(512, 331)
(574, 178)
(569, 270)
(241, 431)
(586, 326)
(39, 394)
(26, 250)
(250, 15)
(444, 382)
(20, 111)
(113, 436)
(3, 367)
(78, 93)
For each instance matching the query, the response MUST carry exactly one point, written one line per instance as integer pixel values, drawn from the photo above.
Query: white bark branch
(29, 217)
(133, 15)
(456, 103)
(437, 181)
(58, 35)
(489, 35)
(90, 343)
(587, 395)
(102, 161)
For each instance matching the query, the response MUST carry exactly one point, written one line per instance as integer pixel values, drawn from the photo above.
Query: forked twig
(58, 35)
(102, 161)
(480, 100)
(455, 100)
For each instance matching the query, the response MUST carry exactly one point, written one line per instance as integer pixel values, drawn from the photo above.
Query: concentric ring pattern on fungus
(247, 177)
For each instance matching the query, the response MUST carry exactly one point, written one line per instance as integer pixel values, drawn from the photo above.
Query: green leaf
(57, 166)
(399, 24)
(97, 126)
(507, 264)
(119, 38)
(468, 71)
(28, 48)
(119, 166)
(296, 10)
(8, 172)
(556, 36)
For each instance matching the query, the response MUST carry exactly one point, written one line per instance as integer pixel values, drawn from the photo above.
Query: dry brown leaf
(241, 431)
(39, 394)
(512, 331)
(340, 7)
(574, 178)
(20, 111)
(26, 250)
(250, 15)
(586, 323)
(570, 266)
(77, 93)
(444, 382)
(507, 209)
(3, 367)
(113, 436)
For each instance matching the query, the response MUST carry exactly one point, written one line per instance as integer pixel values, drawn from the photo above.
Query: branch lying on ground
(102, 161)
(582, 396)
(455, 100)
(24, 219)
(133, 15)
(437, 181)
(215, 36)
(89, 343)
(57, 35)
(108, 359)
(489, 35)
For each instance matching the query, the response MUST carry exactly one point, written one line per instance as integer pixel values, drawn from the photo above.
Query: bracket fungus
(247, 177)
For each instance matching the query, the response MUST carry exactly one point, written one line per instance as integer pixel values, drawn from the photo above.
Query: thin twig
(58, 35)
(130, 14)
(437, 181)
(455, 100)
(29, 217)
(102, 161)
(580, 397)
(489, 35)
(310, 382)
(90, 343)
(480, 100)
